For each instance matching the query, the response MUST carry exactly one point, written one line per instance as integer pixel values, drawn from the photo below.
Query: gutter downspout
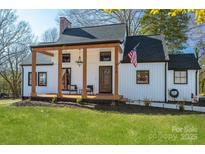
(22, 82)
(165, 84)
(196, 83)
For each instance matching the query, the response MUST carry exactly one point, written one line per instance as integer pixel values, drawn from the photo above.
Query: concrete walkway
(170, 106)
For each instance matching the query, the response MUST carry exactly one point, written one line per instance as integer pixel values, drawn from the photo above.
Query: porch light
(79, 62)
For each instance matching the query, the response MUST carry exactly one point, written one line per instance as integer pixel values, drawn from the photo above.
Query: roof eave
(37, 64)
(71, 44)
(184, 68)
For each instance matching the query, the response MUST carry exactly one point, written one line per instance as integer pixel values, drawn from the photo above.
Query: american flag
(133, 56)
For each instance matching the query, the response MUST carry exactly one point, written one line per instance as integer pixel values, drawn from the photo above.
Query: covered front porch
(84, 74)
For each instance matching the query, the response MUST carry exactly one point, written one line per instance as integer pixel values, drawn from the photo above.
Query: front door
(105, 79)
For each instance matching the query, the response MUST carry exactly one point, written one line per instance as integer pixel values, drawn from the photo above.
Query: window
(30, 79)
(142, 77)
(180, 77)
(105, 56)
(42, 79)
(66, 58)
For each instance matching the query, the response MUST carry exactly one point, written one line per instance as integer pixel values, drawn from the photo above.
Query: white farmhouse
(92, 63)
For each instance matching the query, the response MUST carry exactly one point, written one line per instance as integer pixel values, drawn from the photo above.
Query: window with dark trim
(66, 58)
(30, 79)
(105, 56)
(42, 78)
(142, 77)
(180, 77)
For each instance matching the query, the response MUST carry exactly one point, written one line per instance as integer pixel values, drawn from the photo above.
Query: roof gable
(150, 48)
(88, 35)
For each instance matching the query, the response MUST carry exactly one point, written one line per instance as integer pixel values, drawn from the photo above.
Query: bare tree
(196, 37)
(130, 17)
(92, 17)
(11, 71)
(50, 35)
(14, 46)
(86, 17)
(11, 32)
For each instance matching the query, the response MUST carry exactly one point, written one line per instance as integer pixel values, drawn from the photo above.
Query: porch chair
(90, 89)
(73, 88)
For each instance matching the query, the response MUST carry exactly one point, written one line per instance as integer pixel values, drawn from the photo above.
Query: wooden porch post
(60, 73)
(33, 78)
(84, 92)
(116, 72)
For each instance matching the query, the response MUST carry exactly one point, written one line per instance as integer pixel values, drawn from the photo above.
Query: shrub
(147, 102)
(54, 100)
(78, 100)
(181, 105)
(202, 94)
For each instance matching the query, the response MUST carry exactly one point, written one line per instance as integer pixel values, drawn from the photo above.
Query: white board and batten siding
(128, 87)
(154, 91)
(185, 90)
(93, 64)
(52, 80)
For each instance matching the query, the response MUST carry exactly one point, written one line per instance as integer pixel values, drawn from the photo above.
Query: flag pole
(136, 46)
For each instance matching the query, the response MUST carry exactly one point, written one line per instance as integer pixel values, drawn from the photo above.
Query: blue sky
(39, 20)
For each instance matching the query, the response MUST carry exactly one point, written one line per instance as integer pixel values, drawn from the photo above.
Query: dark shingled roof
(89, 35)
(183, 61)
(150, 48)
(41, 59)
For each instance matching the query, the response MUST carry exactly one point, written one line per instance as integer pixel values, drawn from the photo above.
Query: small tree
(199, 13)
(173, 28)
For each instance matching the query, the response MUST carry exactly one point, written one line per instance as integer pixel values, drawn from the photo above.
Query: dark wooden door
(105, 79)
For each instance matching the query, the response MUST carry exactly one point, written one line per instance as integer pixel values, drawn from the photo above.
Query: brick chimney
(64, 23)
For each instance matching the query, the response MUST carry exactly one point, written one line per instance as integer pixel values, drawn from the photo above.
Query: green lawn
(8, 101)
(50, 125)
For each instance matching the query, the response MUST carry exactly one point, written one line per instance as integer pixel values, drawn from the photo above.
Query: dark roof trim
(72, 44)
(36, 64)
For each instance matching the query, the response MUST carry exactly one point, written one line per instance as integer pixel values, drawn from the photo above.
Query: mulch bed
(129, 108)
(121, 108)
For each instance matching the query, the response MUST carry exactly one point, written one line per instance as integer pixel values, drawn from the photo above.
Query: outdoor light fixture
(79, 62)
